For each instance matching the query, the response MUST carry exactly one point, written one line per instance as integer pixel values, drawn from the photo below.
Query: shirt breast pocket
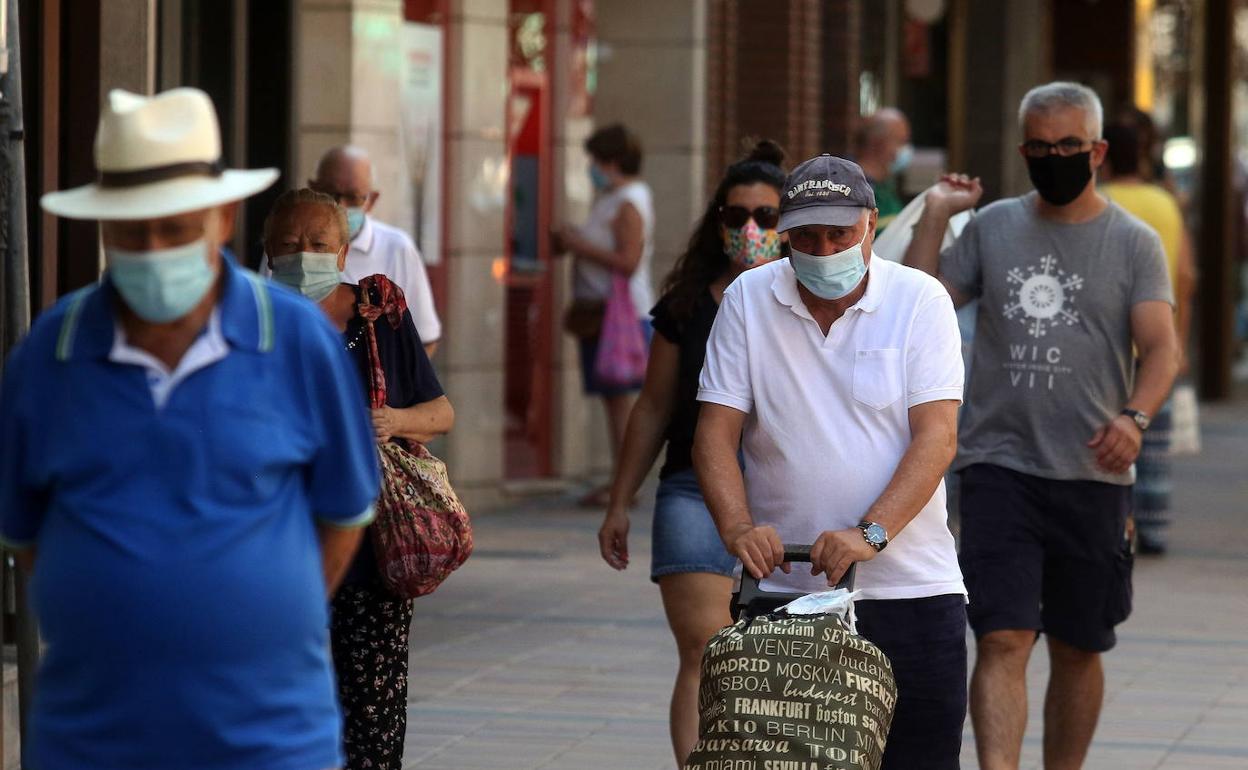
(878, 381)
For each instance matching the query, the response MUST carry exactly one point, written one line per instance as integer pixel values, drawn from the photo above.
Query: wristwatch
(875, 535)
(1142, 420)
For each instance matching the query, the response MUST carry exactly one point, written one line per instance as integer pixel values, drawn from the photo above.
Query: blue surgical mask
(312, 274)
(355, 221)
(832, 276)
(902, 161)
(162, 285)
(598, 178)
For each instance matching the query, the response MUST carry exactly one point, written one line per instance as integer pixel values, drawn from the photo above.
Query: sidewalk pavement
(537, 655)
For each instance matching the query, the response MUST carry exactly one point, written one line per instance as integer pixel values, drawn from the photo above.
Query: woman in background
(688, 560)
(616, 239)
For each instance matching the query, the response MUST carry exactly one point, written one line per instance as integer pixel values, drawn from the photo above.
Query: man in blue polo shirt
(187, 462)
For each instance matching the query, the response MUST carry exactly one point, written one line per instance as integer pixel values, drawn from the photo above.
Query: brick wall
(780, 69)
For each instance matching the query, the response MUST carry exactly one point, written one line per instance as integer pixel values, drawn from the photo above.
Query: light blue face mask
(355, 221)
(902, 162)
(162, 285)
(598, 178)
(312, 274)
(832, 276)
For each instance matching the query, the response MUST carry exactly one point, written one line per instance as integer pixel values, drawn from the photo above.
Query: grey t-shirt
(1053, 357)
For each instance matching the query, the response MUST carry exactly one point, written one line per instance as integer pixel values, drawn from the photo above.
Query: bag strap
(376, 375)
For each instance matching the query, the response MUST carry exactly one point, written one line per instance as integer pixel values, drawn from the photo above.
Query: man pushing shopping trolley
(838, 377)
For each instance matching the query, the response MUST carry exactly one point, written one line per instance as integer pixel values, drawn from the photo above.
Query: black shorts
(1046, 555)
(925, 641)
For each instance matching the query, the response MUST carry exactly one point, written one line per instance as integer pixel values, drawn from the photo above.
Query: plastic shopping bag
(1184, 421)
(621, 360)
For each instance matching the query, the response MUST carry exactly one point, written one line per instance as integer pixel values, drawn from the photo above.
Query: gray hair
(1064, 94)
(305, 195)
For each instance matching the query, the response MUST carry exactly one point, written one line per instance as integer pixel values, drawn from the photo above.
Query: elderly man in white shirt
(346, 173)
(839, 377)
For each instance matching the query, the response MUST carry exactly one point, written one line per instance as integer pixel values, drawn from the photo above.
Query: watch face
(875, 533)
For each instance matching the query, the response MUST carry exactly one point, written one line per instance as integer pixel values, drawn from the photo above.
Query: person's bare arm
(629, 232)
(1117, 443)
(1186, 277)
(422, 422)
(643, 439)
(715, 448)
(431, 348)
(338, 546)
(954, 193)
(933, 444)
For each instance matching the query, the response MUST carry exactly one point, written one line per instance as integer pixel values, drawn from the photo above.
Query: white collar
(207, 349)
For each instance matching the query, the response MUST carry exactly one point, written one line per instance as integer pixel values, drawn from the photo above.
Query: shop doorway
(529, 346)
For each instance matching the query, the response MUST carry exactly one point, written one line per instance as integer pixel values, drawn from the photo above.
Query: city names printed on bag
(798, 693)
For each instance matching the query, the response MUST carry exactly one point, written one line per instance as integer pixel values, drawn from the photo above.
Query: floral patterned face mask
(751, 246)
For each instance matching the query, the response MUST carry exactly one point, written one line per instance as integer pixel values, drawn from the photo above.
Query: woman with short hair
(306, 242)
(616, 239)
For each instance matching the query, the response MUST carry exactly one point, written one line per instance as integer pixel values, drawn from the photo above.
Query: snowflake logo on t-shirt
(1042, 296)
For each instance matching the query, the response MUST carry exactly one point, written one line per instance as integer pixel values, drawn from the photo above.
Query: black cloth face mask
(1060, 179)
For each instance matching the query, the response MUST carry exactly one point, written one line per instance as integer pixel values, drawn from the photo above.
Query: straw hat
(157, 156)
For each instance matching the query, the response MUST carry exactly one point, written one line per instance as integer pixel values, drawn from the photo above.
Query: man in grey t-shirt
(1074, 349)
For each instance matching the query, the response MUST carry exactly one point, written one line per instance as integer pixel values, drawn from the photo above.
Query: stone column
(1004, 56)
(127, 46)
(472, 366)
(346, 88)
(580, 440)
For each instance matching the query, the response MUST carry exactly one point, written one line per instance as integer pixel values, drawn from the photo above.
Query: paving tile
(536, 656)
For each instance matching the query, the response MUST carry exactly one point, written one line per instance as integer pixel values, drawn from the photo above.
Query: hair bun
(766, 151)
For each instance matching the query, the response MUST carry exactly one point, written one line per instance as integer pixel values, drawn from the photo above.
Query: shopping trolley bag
(793, 688)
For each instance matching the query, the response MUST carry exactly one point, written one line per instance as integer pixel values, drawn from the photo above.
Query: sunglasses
(766, 217)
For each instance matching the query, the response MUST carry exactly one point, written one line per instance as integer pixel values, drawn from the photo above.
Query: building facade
(475, 111)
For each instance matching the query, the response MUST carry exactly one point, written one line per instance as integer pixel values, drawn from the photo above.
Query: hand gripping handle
(751, 591)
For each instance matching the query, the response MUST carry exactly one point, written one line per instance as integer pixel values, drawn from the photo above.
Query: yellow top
(1158, 209)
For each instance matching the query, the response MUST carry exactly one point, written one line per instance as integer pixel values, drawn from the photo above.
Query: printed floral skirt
(369, 633)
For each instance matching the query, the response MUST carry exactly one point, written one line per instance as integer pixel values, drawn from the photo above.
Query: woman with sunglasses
(688, 560)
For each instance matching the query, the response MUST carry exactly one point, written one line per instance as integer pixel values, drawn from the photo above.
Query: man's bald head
(880, 138)
(885, 126)
(345, 172)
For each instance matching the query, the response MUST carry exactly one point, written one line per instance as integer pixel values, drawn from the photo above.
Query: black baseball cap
(826, 190)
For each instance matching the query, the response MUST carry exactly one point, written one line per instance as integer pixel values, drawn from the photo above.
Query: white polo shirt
(380, 248)
(827, 417)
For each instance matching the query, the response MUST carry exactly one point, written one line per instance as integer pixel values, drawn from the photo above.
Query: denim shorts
(684, 538)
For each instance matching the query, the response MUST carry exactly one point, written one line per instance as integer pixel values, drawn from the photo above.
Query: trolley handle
(751, 591)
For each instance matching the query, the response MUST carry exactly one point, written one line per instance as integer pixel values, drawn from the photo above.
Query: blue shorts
(684, 538)
(589, 354)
